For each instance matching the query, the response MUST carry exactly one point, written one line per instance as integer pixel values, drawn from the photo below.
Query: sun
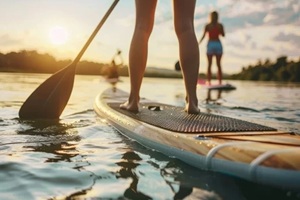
(58, 35)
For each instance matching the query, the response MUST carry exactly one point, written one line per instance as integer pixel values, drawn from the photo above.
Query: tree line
(34, 62)
(281, 70)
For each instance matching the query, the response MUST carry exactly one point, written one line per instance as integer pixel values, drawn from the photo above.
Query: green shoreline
(34, 62)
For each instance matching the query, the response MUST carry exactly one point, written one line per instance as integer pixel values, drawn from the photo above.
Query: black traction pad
(174, 118)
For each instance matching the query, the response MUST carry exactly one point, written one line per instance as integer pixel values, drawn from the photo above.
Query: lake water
(82, 157)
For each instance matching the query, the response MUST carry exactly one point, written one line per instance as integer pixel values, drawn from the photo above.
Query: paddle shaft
(95, 31)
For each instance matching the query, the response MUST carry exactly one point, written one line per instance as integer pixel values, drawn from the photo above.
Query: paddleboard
(220, 87)
(112, 80)
(246, 150)
(226, 86)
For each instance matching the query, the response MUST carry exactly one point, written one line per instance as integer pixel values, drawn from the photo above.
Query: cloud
(163, 17)
(291, 38)
(236, 44)
(127, 21)
(250, 13)
(6, 40)
(267, 48)
(287, 12)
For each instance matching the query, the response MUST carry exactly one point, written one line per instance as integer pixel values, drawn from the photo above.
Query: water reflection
(50, 136)
(43, 154)
(44, 127)
(183, 180)
(210, 99)
(215, 96)
(128, 166)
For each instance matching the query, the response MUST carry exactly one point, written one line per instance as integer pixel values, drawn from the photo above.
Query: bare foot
(132, 107)
(192, 109)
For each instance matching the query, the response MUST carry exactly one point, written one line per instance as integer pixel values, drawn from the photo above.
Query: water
(82, 157)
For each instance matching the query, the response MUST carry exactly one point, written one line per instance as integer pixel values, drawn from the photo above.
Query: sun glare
(58, 35)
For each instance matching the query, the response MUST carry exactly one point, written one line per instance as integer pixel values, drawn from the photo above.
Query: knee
(219, 64)
(144, 28)
(183, 27)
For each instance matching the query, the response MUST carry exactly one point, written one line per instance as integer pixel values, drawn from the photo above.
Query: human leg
(188, 49)
(218, 58)
(209, 63)
(138, 53)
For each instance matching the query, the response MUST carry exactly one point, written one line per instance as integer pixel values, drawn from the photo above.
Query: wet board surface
(175, 119)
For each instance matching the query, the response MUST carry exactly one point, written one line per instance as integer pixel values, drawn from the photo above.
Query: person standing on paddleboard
(214, 45)
(188, 50)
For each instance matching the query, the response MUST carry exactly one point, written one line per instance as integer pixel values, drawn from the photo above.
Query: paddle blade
(50, 98)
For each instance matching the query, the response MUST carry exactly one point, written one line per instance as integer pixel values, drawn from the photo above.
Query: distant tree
(86, 67)
(267, 62)
(34, 62)
(2, 61)
(281, 62)
(281, 70)
(294, 71)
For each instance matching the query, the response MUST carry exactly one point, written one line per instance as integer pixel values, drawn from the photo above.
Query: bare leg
(209, 60)
(219, 68)
(188, 50)
(138, 53)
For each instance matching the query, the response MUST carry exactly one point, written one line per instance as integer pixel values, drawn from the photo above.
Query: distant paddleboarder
(214, 47)
(112, 72)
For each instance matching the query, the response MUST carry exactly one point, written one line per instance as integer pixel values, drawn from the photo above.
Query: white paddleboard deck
(250, 151)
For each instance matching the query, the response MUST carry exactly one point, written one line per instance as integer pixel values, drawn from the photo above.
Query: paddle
(50, 98)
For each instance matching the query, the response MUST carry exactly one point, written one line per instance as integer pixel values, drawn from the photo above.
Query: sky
(255, 30)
